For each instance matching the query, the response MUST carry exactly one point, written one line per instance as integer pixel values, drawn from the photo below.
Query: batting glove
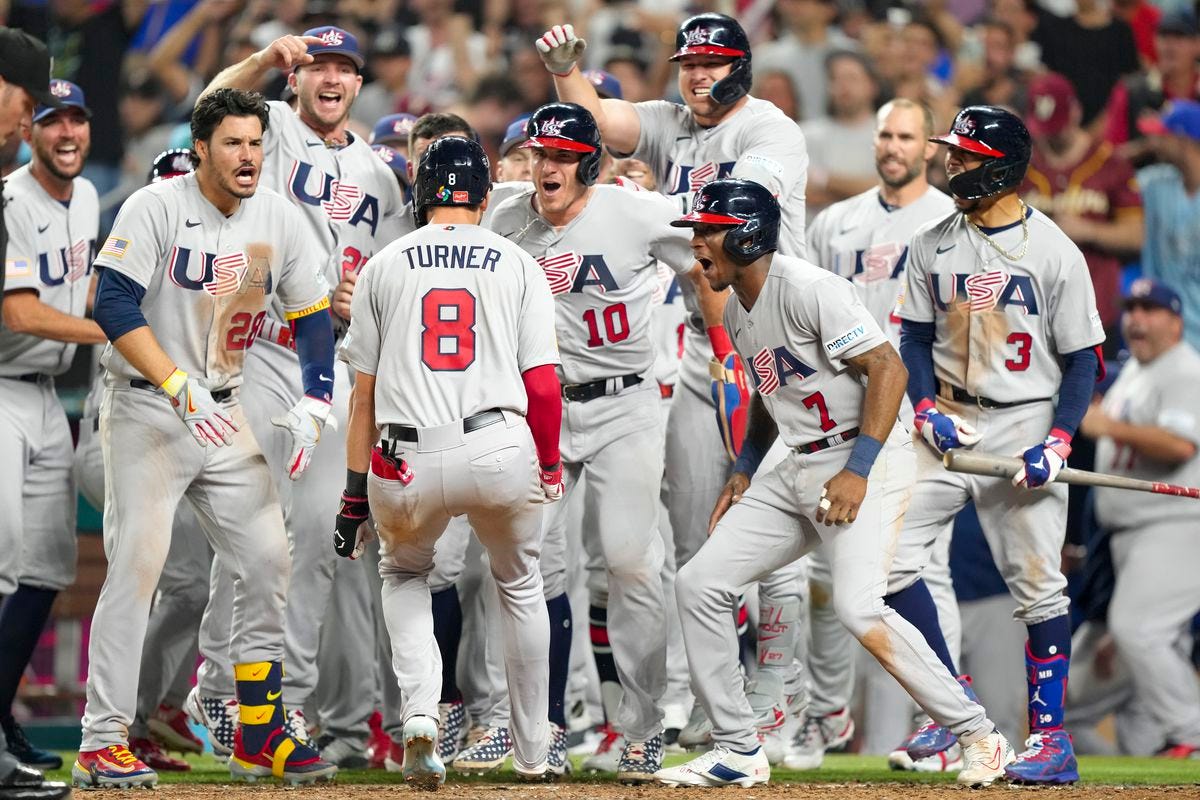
(560, 49)
(731, 399)
(207, 421)
(1043, 462)
(945, 431)
(305, 420)
(350, 532)
(552, 482)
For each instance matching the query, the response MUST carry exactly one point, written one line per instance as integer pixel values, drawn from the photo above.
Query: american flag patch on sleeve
(114, 246)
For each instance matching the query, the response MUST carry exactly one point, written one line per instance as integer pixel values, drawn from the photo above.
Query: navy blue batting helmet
(453, 172)
(999, 135)
(748, 208)
(718, 35)
(567, 126)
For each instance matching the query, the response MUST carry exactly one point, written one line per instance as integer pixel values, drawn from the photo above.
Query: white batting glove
(305, 420)
(207, 421)
(552, 483)
(560, 49)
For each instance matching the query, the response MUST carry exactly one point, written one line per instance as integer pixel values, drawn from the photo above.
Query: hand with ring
(841, 498)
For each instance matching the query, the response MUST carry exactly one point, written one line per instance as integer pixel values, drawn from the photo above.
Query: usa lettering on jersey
(573, 272)
(771, 368)
(67, 265)
(983, 291)
(219, 275)
(880, 262)
(686, 179)
(341, 201)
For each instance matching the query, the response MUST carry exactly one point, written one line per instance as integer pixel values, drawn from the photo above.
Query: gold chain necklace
(1024, 236)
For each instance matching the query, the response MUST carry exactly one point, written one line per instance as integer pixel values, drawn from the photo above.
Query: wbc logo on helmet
(552, 127)
(964, 126)
(696, 36)
(331, 38)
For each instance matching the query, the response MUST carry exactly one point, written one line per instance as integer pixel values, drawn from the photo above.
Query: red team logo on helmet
(552, 127)
(964, 126)
(696, 36)
(228, 271)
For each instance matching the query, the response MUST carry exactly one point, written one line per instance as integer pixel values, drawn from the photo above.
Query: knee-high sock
(1047, 660)
(260, 697)
(559, 609)
(606, 665)
(447, 630)
(22, 618)
(915, 604)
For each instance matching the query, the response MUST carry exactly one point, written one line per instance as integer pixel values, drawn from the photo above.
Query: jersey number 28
(448, 330)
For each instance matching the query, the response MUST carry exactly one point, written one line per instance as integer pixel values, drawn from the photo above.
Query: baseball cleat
(558, 761)
(487, 754)
(112, 767)
(219, 716)
(297, 727)
(1176, 751)
(152, 755)
(422, 767)
(608, 753)
(765, 693)
(344, 752)
(169, 727)
(818, 735)
(719, 767)
(282, 757)
(640, 761)
(452, 721)
(984, 761)
(24, 750)
(697, 734)
(932, 738)
(1048, 757)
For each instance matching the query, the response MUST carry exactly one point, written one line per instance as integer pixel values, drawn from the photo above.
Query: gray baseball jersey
(795, 342)
(1001, 325)
(50, 250)
(758, 143)
(481, 315)
(1162, 393)
(865, 240)
(603, 284)
(208, 277)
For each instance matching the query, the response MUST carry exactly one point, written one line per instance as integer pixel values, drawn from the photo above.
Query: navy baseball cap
(393, 128)
(336, 41)
(606, 84)
(396, 162)
(1153, 293)
(514, 135)
(1180, 117)
(69, 96)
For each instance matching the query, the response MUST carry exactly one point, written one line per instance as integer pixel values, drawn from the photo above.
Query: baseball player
(188, 261)
(865, 240)
(350, 202)
(1146, 427)
(718, 131)
(612, 423)
(825, 375)
(474, 431)
(516, 162)
(998, 319)
(24, 81)
(52, 228)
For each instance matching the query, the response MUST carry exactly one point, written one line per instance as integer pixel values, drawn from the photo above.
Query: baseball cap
(606, 84)
(1154, 293)
(394, 128)
(1178, 24)
(1180, 117)
(390, 43)
(1048, 107)
(336, 41)
(68, 94)
(396, 162)
(25, 62)
(514, 135)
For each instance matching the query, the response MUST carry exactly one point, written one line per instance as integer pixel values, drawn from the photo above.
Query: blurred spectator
(531, 78)
(808, 37)
(1021, 16)
(183, 79)
(1142, 17)
(1086, 188)
(1175, 77)
(516, 162)
(147, 133)
(447, 54)
(1171, 196)
(492, 105)
(390, 62)
(631, 74)
(775, 86)
(1092, 49)
(841, 146)
(1002, 83)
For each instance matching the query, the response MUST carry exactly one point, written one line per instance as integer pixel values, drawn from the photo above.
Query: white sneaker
(720, 767)
(608, 753)
(422, 767)
(818, 735)
(984, 761)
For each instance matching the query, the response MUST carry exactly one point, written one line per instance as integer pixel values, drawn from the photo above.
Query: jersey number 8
(448, 330)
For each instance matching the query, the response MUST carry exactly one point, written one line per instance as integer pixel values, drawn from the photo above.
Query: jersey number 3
(1024, 343)
(448, 330)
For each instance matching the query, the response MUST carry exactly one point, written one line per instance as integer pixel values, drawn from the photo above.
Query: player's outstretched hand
(735, 487)
(552, 482)
(351, 531)
(343, 294)
(286, 52)
(207, 421)
(1043, 462)
(841, 498)
(560, 49)
(731, 399)
(305, 420)
(945, 431)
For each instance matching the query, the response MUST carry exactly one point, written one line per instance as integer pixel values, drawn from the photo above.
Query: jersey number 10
(616, 325)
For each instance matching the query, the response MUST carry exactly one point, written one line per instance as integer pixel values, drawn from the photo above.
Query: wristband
(749, 459)
(356, 483)
(863, 455)
(719, 339)
(175, 382)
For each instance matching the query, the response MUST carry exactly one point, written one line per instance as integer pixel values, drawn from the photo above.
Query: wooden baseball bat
(1005, 467)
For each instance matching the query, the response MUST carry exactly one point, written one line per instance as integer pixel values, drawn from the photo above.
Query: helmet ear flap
(735, 85)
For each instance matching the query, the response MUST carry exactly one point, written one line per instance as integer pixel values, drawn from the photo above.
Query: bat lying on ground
(1005, 467)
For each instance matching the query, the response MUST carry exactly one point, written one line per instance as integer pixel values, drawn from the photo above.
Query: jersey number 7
(448, 330)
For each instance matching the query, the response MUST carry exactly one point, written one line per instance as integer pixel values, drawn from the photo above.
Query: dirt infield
(609, 791)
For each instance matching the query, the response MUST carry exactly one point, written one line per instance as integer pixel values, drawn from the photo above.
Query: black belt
(824, 444)
(407, 433)
(220, 396)
(582, 392)
(963, 396)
